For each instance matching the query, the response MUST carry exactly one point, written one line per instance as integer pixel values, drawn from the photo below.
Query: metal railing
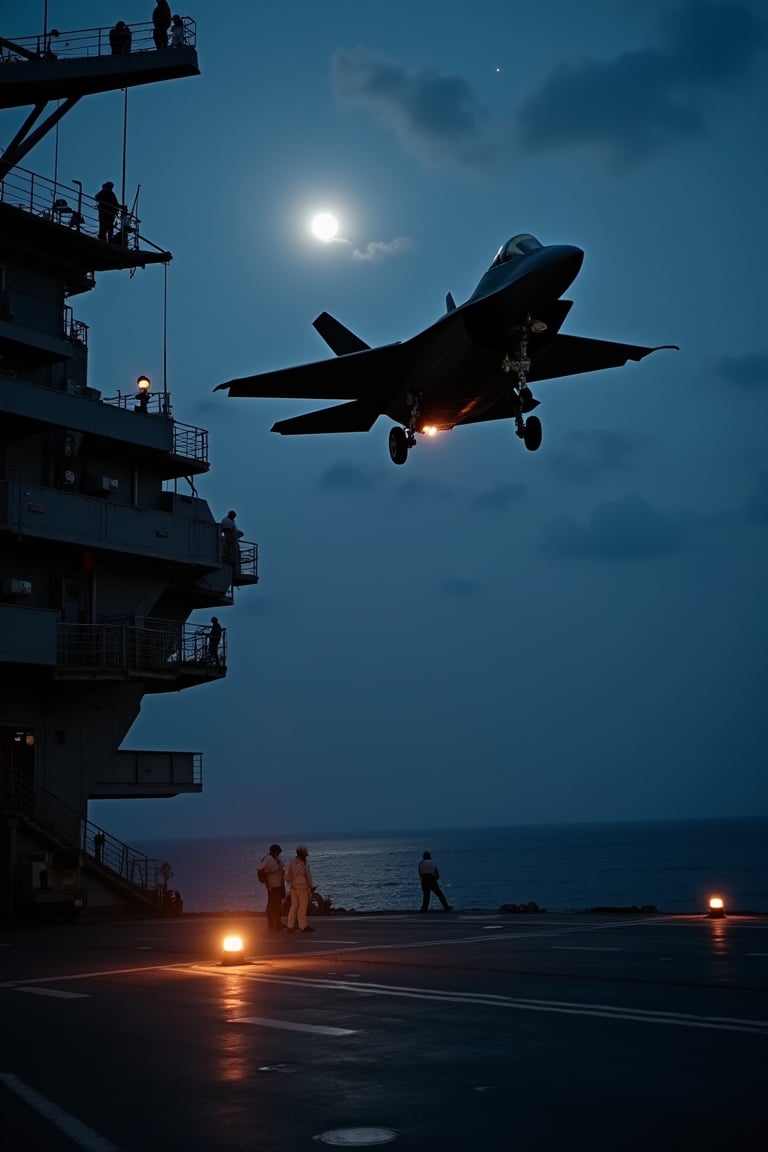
(248, 564)
(189, 442)
(147, 877)
(158, 648)
(89, 42)
(74, 330)
(70, 208)
(158, 403)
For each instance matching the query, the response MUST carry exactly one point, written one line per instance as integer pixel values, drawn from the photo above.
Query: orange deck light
(716, 907)
(232, 950)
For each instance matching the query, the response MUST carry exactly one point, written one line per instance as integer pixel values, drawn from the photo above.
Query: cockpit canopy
(518, 246)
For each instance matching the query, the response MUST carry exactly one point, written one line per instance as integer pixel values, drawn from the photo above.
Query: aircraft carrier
(131, 1033)
(106, 548)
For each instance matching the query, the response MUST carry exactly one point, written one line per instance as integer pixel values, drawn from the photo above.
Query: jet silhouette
(476, 363)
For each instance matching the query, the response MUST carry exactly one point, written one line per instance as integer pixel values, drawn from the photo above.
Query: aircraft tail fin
(338, 338)
(450, 303)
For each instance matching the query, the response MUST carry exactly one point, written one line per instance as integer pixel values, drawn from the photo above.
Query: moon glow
(324, 226)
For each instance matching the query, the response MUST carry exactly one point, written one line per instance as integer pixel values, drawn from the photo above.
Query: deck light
(716, 908)
(232, 950)
(143, 385)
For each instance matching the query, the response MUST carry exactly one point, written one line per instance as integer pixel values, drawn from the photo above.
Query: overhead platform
(69, 247)
(62, 67)
(68, 65)
(33, 81)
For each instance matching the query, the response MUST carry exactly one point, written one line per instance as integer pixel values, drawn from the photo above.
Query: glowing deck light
(716, 907)
(429, 430)
(143, 385)
(232, 950)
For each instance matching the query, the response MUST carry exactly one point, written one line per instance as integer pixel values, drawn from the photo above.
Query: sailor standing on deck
(177, 32)
(299, 877)
(271, 868)
(161, 21)
(429, 875)
(232, 536)
(109, 206)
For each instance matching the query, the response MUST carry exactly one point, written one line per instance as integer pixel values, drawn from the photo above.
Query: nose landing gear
(529, 431)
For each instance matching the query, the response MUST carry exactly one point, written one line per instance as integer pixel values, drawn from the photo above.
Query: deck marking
(88, 975)
(357, 1137)
(54, 992)
(490, 1000)
(77, 1132)
(439, 942)
(290, 1026)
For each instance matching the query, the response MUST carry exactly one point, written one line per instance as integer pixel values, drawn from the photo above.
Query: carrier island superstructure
(105, 547)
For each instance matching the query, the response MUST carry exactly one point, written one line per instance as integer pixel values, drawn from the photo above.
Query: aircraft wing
(357, 416)
(365, 375)
(570, 355)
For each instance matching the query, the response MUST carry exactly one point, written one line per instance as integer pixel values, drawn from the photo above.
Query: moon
(325, 226)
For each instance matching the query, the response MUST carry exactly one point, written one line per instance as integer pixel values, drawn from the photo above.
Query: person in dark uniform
(120, 38)
(109, 206)
(214, 639)
(161, 22)
(430, 876)
(273, 873)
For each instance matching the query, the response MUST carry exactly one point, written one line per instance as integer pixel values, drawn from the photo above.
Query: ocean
(674, 865)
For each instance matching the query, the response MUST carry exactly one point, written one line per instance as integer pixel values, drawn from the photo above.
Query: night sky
(485, 636)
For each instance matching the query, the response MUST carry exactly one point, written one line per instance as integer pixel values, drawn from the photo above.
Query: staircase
(139, 882)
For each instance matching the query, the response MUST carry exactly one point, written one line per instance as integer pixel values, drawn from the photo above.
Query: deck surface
(444, 1032)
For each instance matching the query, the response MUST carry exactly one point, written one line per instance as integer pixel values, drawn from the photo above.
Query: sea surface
(674, 865)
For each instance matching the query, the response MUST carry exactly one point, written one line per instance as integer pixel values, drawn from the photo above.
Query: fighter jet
(476, 363)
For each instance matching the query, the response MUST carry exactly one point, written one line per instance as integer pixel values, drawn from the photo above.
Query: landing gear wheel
(398, 445)
(532, 433)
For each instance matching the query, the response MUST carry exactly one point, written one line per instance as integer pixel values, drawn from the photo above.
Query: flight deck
(438, 1032)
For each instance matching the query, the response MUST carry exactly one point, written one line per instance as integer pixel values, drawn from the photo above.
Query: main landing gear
(529, 431)
(401, 439)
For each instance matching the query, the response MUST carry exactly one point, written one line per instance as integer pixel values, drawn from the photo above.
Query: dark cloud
(347, 477)
(625, 529)
(645, 99)
(436, 117)
(460, 589)
(756, 503)
(749, 371)
(587, 455)
(499, 497)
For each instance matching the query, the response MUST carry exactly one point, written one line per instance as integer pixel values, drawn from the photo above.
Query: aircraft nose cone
(572, 258)
(566, 262)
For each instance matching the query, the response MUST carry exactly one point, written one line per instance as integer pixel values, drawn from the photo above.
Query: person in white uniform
(299, 877)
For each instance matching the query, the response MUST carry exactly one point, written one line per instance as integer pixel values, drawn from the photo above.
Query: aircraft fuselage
(465, 346)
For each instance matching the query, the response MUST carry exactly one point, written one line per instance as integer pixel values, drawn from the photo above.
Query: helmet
(301, 850)
(275, 848)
